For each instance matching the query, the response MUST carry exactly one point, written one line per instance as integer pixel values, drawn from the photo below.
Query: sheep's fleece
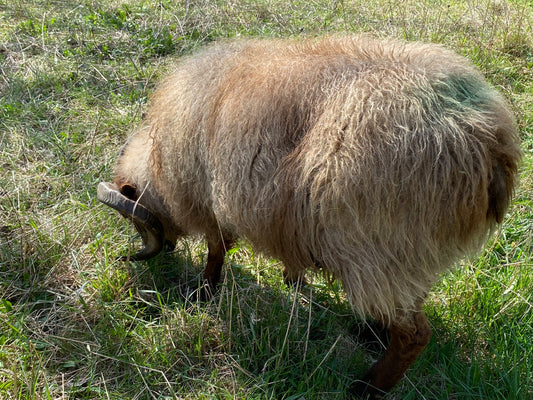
(378, 162)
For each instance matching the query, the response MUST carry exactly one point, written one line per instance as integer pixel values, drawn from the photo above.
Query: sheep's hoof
(362, 390)
(206, 292)
(200, 294)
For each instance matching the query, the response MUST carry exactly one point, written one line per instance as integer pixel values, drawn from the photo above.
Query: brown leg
(215, 259)
(407, 340)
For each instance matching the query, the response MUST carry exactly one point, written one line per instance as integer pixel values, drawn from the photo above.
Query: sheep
(378, 162)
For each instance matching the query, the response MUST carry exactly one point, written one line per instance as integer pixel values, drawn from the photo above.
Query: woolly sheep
(378, 162)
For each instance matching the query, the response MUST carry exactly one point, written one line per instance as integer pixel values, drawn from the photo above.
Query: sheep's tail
(499, 195)
(506, 156)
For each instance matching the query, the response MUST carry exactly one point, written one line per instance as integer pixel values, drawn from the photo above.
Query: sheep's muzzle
(147, 224)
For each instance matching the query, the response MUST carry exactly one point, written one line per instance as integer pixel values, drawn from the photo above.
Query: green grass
(77, 324)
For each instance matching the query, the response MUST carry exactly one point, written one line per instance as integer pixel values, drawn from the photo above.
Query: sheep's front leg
(407, 340)
(217, 248)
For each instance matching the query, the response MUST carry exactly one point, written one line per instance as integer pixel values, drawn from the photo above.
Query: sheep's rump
(380, 162)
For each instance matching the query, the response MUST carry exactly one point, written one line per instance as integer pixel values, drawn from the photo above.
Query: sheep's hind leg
(407, 340)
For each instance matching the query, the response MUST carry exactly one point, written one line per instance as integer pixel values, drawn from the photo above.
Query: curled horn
(147, 224)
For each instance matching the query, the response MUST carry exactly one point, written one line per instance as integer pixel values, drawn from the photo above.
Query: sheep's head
(132, 194)
(147, 224)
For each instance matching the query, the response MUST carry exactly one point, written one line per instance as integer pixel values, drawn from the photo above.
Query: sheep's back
(370, 159)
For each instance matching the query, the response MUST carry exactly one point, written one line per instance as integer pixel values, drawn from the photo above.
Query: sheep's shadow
(270, 329)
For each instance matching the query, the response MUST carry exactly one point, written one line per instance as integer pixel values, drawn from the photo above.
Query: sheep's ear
(129, 190)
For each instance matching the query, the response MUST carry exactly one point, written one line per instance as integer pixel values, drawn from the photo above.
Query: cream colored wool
(381, 163)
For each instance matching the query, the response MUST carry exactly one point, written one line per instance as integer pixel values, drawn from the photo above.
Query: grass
(77, 324)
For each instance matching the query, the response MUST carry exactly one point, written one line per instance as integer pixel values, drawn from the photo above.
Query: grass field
(77, 324)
